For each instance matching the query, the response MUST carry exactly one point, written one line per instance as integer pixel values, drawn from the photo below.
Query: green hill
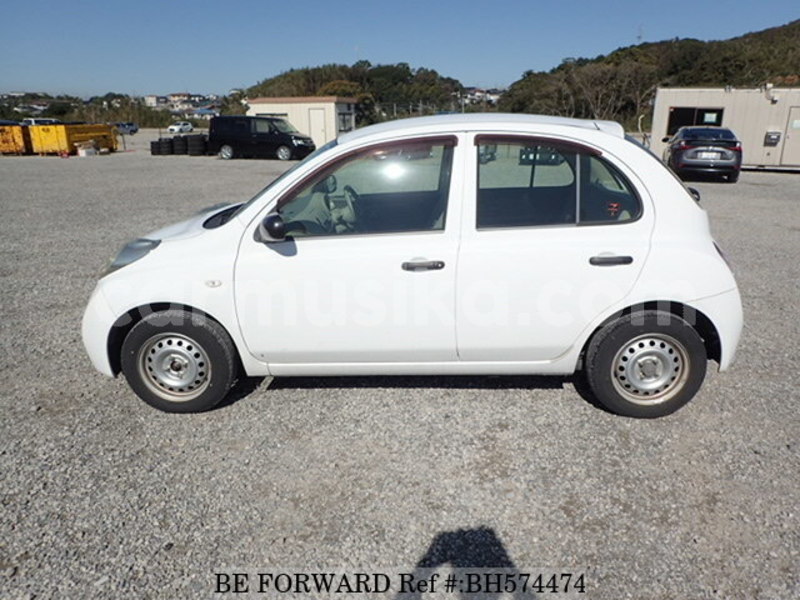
(620, 85)
(395, 90)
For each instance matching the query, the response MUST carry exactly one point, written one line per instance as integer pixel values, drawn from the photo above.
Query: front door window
(395, 188)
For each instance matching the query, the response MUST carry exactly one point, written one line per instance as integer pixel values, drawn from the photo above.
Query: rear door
(234, 132)
(554, 234)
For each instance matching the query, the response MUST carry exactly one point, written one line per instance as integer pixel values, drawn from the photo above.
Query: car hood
(190, 227)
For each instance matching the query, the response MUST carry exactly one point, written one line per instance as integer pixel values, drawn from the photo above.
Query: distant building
(321, 117)
(154, 101)
(179, 97)
(474, 95)
(206, 112)
(185, 104)
(766, 120)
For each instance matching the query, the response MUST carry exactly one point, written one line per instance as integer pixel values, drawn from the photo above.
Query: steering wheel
(344, 217)
(351, 197)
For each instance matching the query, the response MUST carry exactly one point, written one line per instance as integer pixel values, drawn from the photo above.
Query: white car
(39, 121)
(180, 127)
(460, 244)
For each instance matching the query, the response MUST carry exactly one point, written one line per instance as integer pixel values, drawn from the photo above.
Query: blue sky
(87, 47)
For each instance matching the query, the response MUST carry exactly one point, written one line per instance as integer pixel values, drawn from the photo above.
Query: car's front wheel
(646, 364)
(178, 361)
(283, 153)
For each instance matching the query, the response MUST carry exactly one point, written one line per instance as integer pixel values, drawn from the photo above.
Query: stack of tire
(193, 145)
(180, 145)
(162, 146)
(197, 145)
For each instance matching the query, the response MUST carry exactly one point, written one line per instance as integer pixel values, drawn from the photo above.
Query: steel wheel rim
(174, 367)
(226, 152)
(284, 153)
(650, 369)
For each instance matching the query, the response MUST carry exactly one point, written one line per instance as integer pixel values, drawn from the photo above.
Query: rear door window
(530, 183)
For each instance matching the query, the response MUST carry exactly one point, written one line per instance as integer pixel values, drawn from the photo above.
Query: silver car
(704, 150)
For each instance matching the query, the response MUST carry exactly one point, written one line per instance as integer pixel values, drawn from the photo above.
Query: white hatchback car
(180, 127)
(463, 244)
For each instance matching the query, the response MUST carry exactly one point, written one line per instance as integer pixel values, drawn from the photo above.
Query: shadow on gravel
(703, 177)
(471, 555)
(243, 388)
(581, 386)
(247, 385)
(464, 382)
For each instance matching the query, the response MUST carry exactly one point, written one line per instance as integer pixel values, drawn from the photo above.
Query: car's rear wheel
(178, 361)
(646, 364)
(732, 177)
(283, 153)
(226, 152)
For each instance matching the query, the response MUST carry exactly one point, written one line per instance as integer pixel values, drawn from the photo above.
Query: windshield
(285, 126)
(284, 175)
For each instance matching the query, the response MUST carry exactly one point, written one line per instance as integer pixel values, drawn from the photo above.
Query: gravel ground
(105, 497)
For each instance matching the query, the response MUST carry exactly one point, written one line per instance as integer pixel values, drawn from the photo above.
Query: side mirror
(271, 229)
(665, 139)
(695, 194)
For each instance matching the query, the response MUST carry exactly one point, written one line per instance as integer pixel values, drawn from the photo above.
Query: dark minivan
(263, 137)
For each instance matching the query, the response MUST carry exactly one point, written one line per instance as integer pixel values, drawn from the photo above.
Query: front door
(263, 138)
(367, 273)
(791, 146)
(554, 234)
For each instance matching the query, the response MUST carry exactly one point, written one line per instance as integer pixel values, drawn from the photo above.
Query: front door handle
(609, 261)
(423, 265)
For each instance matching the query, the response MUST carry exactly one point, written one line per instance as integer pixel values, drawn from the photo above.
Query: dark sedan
(698, 150)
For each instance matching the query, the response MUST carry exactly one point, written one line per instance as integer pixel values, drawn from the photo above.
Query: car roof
(249, 117)
(688, 127)
(478, 121)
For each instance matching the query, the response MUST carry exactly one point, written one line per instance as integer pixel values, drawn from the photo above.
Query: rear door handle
(609, 261)
(423, 265)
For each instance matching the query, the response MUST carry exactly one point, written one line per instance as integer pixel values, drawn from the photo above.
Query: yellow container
(65, 139)
(14, 139)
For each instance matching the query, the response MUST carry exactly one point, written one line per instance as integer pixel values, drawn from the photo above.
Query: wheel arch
(123, 325)
(694, 318)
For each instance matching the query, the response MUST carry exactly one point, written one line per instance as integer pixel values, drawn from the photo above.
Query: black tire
(645, 365)
(283, 153)
(179, 145)
(155, 148)
(166, 146)
(226, 152)
(732, 177)
(179, 362)
(196, 145)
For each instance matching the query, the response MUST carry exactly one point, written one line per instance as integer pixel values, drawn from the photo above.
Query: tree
(340, 87)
